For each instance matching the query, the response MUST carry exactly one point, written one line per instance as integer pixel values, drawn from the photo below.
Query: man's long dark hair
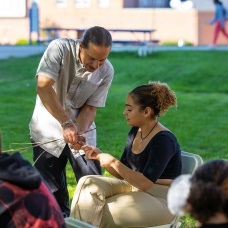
(97, 35)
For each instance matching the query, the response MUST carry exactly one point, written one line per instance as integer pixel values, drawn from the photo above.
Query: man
(25, 200)
(74, 77)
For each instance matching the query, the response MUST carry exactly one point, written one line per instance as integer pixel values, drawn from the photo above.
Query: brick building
(191, 25)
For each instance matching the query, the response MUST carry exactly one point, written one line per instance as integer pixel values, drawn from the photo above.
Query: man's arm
(85, 117)
(51, 103)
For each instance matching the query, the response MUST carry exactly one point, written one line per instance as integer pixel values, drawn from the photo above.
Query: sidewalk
(20, 51)
(29, 50)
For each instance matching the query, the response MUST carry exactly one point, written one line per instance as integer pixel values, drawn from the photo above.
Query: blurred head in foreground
(204, 195)
(25, 200)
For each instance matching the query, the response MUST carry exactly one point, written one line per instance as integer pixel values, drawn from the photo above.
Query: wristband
(67, 122)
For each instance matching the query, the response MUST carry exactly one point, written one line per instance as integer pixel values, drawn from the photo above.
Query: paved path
(29, 50)
(20, 51)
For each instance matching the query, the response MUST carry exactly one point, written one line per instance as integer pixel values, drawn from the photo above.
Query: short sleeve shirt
(161, 159)
(74, 86)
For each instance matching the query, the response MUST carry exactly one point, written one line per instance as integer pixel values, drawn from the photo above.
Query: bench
(143, 47)
(141, 38)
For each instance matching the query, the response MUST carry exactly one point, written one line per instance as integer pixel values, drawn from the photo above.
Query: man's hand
(81, 142)
(70, 133)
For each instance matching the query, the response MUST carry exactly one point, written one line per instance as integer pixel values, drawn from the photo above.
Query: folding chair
(189, 164)
(73, 223)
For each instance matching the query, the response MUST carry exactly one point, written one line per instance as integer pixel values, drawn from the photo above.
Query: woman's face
(134, 116)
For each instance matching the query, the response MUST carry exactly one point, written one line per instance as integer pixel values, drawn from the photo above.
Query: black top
(161, 158)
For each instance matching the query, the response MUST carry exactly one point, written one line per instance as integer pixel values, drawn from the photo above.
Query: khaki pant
(109, 202)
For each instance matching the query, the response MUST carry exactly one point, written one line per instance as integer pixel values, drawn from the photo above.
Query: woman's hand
(91, 152)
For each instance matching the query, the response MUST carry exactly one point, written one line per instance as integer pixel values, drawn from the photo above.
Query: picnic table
(142, 38)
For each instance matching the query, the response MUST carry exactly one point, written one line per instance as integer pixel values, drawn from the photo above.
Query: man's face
(93, 56)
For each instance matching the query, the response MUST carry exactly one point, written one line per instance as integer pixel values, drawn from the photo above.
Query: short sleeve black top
(161, 158)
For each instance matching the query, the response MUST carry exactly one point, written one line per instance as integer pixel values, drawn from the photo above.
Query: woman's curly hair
(209, 191)
(156, 95)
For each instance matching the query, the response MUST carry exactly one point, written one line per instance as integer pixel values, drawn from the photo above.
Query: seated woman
(204, 195)
(137, 196)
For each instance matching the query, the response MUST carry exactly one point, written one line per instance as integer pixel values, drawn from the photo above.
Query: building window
(103, 3)
(82, 3)
(61, 3)
(146, 3)
(12, 8)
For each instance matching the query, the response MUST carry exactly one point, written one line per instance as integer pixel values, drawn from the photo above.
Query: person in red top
(25, 200)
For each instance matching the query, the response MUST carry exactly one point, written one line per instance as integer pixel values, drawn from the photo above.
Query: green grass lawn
(199, 79)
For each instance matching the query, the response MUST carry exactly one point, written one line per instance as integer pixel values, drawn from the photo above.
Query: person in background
(136, 197)
(206, 195)
(73, 79)
(25, 200)
(219, 20)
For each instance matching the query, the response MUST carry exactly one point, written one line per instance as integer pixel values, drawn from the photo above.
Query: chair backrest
(190, 162)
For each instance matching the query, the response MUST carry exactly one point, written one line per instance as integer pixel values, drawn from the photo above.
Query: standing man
(74, 77)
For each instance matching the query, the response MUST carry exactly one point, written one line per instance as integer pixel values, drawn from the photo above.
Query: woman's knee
(88, 180)
(88, 200)
(90, 186)
(98, 188)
